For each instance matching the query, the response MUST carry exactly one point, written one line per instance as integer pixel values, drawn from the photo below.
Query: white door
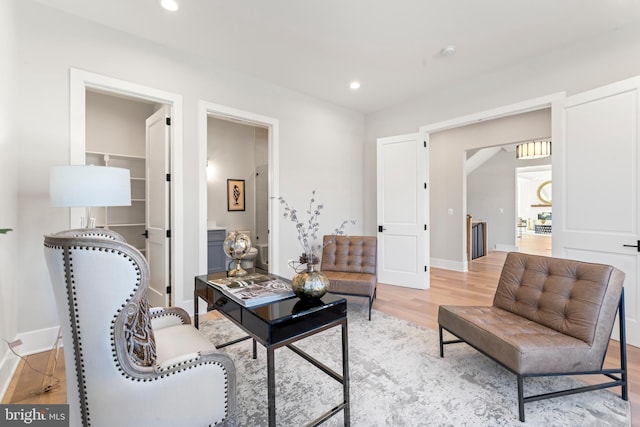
(597, 186)
(158, 211)
(403, 235)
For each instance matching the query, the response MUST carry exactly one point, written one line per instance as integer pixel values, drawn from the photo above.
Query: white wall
(491, 196)
(575, 68)
(8, 197)
(320, 144)
(231, 149)
(116, 125)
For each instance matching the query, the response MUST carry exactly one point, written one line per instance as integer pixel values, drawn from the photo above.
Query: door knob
(637, 245)
(381, 229)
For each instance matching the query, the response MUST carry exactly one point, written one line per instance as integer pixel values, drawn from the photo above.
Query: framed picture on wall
(235, 194)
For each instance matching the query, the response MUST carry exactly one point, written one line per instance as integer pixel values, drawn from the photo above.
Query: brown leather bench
(349, 262)
(549, 317)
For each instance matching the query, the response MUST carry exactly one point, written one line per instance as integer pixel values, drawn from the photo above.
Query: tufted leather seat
(549, 316)
(128, 364)
(349, 262)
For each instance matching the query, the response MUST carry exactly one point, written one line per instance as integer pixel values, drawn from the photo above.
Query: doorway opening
(87, 90)
(239, 146)
(238, 151)
(534, 210)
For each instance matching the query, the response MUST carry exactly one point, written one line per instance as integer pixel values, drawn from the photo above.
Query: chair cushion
(351, 283)
(520, 344)
(176, 341)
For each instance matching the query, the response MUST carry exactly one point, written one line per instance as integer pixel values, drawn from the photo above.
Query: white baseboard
(188, 306)
(506, 248)
(32, 342)
(447, 264)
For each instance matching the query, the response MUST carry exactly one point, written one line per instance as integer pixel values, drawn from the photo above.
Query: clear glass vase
(310, 284)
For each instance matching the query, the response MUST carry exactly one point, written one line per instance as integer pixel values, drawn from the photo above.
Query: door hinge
(168, 177)
(168, 121)
(425, 268)
(425, 144)
(425, 227)
(168, 289)
(425, 185)
(168, 233)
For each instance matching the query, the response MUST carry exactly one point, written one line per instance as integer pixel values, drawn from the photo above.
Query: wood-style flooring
(420, 307)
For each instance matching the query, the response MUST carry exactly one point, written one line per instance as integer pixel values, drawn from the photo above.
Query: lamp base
(238, 271)
(91, 223)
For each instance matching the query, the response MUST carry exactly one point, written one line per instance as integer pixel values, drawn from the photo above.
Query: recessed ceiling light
(355, 85)
(170, 5)
(448, 50)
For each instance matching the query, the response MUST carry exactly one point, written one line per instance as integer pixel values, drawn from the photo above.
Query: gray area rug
(398, 379)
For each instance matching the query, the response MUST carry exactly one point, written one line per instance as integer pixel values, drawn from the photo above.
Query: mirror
(544, 192)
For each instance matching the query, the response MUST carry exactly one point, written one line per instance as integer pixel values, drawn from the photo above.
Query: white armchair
(128, 364)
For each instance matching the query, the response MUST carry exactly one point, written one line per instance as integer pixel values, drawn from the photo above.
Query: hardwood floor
(475, 287)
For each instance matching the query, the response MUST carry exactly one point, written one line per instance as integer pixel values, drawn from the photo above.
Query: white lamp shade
(86, 186)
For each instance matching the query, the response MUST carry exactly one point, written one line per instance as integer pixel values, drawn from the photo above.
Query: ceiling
(391, 47)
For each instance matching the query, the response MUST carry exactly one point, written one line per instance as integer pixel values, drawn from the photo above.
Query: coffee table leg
(195, 309)
(345, 374)
(271, 386)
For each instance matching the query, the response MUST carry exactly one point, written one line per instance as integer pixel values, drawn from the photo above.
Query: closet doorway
(93, 99)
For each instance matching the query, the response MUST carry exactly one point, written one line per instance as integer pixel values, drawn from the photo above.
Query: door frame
(79, 82)
(208, 109)
(496, 113)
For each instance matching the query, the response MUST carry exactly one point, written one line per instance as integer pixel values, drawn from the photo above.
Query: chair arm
(180, 381)
(162, 317)
(193, 359)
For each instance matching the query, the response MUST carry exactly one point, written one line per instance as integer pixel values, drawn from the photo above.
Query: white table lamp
(87, 186)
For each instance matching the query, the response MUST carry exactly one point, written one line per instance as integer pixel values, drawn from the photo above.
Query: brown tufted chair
(128, 364)
(349, 262)
(549, 317)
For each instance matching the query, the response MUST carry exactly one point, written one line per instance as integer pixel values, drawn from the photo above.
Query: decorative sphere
(310, 284)
(236, 245)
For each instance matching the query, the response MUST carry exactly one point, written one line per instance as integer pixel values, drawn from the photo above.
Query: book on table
(254, 289)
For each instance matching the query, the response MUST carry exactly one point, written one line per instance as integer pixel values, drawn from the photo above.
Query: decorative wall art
(235, 194)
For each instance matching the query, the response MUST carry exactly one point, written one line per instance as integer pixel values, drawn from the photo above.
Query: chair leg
(521, 398)
(441, 343)
(623, 348)
(370, 304)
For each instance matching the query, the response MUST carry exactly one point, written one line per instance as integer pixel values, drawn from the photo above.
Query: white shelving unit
(126, 220)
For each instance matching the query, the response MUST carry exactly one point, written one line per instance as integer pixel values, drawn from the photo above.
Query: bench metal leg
(521, 397)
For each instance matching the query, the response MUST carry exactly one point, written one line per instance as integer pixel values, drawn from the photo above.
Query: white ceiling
(392, 47)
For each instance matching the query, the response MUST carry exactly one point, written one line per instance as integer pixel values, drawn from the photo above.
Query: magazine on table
(254, 289)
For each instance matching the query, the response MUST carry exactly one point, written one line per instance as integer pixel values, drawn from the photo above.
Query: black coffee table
(279, 324)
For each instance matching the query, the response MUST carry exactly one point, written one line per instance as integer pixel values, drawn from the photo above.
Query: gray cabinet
(216, 259)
